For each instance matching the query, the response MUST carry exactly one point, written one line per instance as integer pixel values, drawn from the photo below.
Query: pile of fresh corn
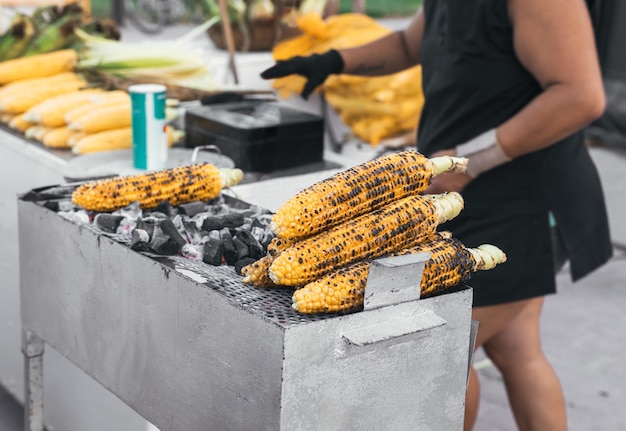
(327, 234)
(374, 108)
(44, 98)
(50, 28)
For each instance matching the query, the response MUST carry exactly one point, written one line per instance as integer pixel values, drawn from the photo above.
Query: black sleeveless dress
(473, 82)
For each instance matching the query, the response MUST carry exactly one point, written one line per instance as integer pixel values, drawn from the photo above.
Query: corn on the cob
(98, 101)
(403, 223)
(57, 137)
(19, 103)
(18, 123)
(107, 140)
(116, 116)
(6, 118)
(450, 265)
(36, 132)
(256, 273)
(25, 85)
(51, 112)
(177, 185)
(359, 190)
(277, 246)
(38, 66)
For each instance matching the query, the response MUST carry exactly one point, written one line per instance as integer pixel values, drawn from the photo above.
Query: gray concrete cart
(189, 347)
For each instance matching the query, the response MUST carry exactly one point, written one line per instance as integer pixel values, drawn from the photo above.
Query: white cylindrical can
(149, 126)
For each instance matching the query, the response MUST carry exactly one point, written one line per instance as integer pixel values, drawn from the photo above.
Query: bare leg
(491, 320)
(532, 385)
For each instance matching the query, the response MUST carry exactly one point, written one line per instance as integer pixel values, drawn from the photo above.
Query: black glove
(315, 68)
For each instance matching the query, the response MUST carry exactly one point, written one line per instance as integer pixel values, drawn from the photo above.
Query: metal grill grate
(273, 304)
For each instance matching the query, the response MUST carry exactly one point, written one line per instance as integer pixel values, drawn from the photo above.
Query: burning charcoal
(219, 222)
(258, 223)
(131, 211)
(242, 249)
(126, 227)
(267, 237)
(144, 225)
(192, 208)
(213, 252)
(140, 240)
(258, 233)
(191, 251)
(167, 226)
(108, 222)
(256, 250)
(230, 252)
(163, 244)
(243, 262)
(165, 208)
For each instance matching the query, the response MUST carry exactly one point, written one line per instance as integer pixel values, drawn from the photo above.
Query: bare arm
(395, 52)
(554, 40)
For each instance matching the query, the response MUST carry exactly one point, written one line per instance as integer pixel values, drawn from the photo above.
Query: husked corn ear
(51, 112)
(36, 132)
(57, 137)
(450, 264)
(19, 123)
(359, 190)
(401, 224)
(256, 273)
(108, 117)
(19, 103)
(5, 118)
(38, 66)
(24, 85)
(178, 185)
(107, 140)
(97, 102)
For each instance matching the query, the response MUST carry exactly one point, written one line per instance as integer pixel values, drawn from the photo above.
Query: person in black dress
(509, 84)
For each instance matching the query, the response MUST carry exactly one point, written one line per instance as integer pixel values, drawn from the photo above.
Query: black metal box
(259, 136)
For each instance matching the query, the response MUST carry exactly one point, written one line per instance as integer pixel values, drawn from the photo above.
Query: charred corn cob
(277, 246)
(450, 264)
(38, 66)
(109, 117)
(256, 273)
(401, 224)
(359, 190)
(177, 185)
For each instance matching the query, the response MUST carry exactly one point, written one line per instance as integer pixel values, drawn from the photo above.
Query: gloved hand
(315, 68)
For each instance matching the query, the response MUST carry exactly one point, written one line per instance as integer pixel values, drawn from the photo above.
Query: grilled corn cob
(277, 246)
(178, 185)
(450, 264)
(38, 66)
(256, 273)
(359, 190)
(401, 224)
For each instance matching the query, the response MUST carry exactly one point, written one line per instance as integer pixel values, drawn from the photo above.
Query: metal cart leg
(32, 348)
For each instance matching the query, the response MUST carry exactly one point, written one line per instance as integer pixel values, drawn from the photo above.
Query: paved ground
(583, 329)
